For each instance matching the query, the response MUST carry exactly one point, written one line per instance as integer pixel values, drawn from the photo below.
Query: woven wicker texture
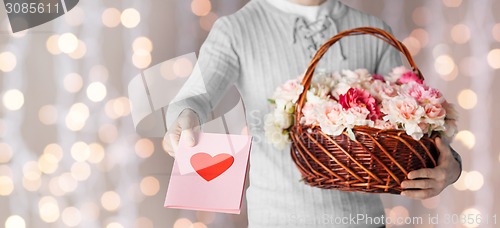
(377, 162)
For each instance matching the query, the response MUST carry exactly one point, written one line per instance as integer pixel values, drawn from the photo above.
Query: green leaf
(350, 133)
(272, 101)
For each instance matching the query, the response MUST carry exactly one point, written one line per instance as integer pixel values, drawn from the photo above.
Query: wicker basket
(377, 162)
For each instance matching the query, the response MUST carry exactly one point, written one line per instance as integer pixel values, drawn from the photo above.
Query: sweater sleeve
(219, 68)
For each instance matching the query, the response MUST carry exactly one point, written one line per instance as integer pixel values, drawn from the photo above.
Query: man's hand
(429, 182)
(186, 127)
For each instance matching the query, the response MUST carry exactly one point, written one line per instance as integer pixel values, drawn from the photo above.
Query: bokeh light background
(69, 156)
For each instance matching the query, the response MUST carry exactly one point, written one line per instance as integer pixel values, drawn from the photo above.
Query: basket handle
(376, 32)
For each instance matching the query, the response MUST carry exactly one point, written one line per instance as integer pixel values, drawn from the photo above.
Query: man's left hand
(429, 182)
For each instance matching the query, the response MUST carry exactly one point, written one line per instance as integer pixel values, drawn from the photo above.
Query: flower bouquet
(357, 131)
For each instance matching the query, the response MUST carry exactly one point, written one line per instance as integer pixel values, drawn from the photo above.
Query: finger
(423, 173)
(419, 184)
(419, 194)
(174, 140)
(187, 136)
(444, 150)
(167, 146)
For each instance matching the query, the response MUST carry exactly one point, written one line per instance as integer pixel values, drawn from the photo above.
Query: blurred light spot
(48, 114)
(143, 222)
(496, 32)
(108, 133)
(48, 163)
(80, 51)
(494, 58)
(198, 225)
(110, 112)
(472, 213)
(205, 216)
(52, 45)
(5, 152)
(67, 182)
(67, 42)
(466, 138)
(182, 67)
(71, 216)
(201, 7)
(130, 18)
(5, 170)
(452, 3)
(80, 151)
(73, 82)
(77, 116)
(150, 186)
(32, 185)
(444, 65)
(141, 59)
(207, 21)
(398, 212)
(55, 150)
(460, 33)
(452, 75)
(75, 17)
(98, 73)
(421, 35)
(114, 225)
(31, 171)
(413, 45)
(90, 211)
(182, 223)
(8, 61)
(468, 66)
(431, 203)
(167, 70)
(48, 209)
(244, 131)
(111, 17)
(6, 186)
(440, 49)
(467, 99)
(144, 148)
(15, 221)
(96, 91)
(142, 43)
(13, 99)
(80, 171)
(96, 153)
(110, 201)
(421, 16)
(121, 106)
(54, 187)
(474, 180)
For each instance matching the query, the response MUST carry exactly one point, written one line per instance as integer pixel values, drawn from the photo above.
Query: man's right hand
(187, 127)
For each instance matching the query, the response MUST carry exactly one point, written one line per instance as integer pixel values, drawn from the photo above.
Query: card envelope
(216, 175)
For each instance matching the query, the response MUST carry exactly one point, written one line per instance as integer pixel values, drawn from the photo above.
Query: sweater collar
(333, 10)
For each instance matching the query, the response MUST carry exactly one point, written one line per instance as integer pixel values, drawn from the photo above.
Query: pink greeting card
(213, 174)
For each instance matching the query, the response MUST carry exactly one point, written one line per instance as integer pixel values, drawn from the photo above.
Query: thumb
(188, 137)
(443, 148)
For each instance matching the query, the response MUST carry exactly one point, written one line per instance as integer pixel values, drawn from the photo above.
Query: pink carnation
(360, 98)
(410, 76)
(378, 77)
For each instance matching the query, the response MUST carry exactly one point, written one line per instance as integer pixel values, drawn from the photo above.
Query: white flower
(331, 118)
(275, 135)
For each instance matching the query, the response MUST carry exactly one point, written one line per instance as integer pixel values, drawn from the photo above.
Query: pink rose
(410, 76)
(356, 97)
(382, 90)
(378, 77)
(403, 109)
(434, 112)
(310, 114)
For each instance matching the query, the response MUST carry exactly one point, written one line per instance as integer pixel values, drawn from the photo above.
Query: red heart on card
(210, 167)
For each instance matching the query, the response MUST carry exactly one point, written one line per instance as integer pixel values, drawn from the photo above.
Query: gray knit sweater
(257, 49)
